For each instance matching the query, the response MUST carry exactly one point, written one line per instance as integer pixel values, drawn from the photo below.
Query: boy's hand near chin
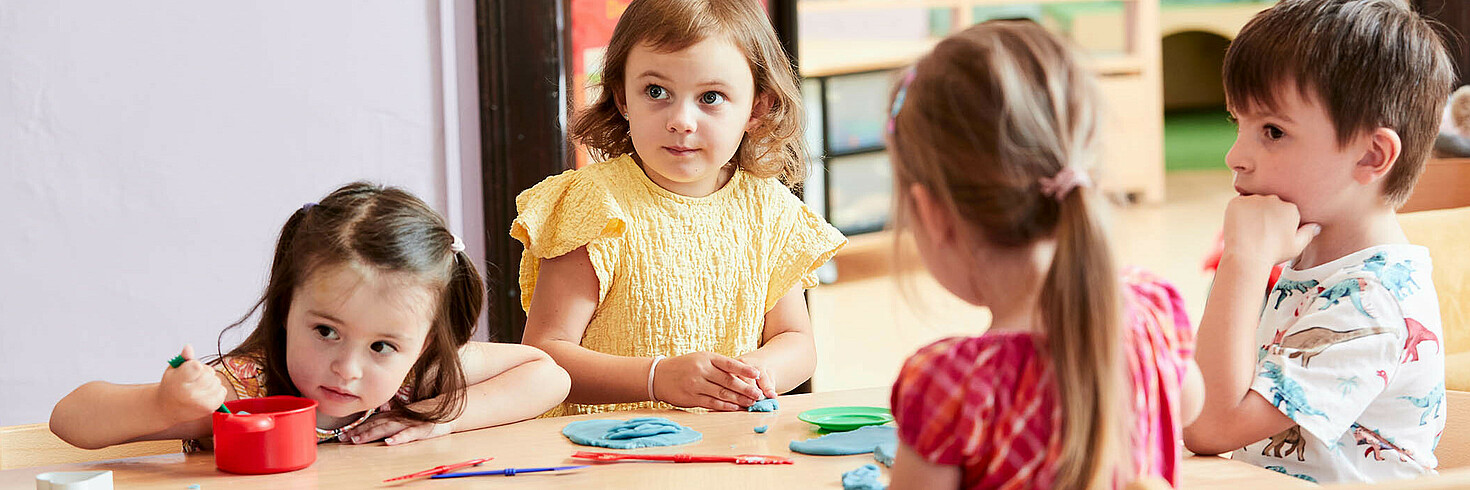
(1266, 228)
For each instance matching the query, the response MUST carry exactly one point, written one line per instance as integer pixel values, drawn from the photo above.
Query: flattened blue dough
(863, 478)
(761, 429)
(859, 441)
(884, 453)
(643, 427)
(766, 405)
(629, 434)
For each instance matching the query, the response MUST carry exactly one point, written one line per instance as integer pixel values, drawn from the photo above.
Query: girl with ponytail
(369, 310)
(1084, 378)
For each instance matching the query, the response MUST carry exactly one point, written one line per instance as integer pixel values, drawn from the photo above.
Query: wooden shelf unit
(1132, 161)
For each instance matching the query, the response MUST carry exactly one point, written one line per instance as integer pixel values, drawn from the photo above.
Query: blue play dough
(884, 453)
(636, 428)
(863, 478)
(766, 405)
(761, 429)
(630, 434)
(859, 441)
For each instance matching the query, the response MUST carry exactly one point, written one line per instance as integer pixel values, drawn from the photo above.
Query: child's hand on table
(766, 382)
(191, 390)
(706, 379)
(394, 430)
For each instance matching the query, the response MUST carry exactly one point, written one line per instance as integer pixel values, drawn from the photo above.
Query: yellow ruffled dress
(676, 274)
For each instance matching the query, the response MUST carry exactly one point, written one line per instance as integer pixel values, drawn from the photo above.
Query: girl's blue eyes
(656, 92)
(329, 333)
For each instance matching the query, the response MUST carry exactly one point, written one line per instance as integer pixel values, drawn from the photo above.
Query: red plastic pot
(278, 435)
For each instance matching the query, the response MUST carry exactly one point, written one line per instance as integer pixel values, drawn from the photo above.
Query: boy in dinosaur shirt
(1337, 104)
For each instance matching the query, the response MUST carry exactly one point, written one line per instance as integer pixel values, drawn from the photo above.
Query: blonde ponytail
(1081, 315)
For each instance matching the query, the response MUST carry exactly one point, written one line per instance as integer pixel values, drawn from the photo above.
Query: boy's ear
(1379, 157)
(934, 218)
(759, 110)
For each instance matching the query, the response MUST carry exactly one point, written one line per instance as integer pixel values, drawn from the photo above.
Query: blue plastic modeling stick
(507, 471)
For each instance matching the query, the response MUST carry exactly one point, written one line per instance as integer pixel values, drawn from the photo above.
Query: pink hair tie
(1057, 187)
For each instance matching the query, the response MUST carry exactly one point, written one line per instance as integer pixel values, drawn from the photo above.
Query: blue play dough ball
(860, 441)
(766, 405)
(761, 429)
(863, 478)
(630, 434)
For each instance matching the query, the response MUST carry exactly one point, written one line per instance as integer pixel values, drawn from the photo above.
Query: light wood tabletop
(537, 443)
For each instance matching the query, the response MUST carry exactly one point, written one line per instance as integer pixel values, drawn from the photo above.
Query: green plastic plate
(838, 419)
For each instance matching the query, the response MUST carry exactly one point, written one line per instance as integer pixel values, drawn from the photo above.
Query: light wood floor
(868, 322)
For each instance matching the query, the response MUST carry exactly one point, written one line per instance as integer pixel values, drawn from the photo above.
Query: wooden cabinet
(844, 77)
(1442, 185)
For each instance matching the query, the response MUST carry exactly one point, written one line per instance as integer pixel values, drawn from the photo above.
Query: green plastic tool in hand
(179, 361)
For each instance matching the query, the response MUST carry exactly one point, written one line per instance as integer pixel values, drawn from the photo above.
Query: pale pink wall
(149, 153)
(860, 23)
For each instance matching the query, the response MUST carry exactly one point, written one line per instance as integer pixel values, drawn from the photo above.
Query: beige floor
(866, 325)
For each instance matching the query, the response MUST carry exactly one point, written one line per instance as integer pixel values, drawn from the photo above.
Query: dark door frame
(523, 80)
(1455, 16)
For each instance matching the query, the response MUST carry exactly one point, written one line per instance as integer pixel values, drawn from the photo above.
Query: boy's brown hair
(775, 148)
(1370, 63)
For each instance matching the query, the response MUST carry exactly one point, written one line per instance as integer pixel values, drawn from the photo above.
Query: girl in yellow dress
(671, 273)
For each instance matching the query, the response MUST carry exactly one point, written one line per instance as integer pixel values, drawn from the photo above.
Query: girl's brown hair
(774, 148)
(986, 116)
(386, 228)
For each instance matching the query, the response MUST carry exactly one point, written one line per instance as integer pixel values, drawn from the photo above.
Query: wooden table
(540, 443)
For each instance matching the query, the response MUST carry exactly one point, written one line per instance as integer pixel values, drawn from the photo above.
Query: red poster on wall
(592, 23)
(592, 26)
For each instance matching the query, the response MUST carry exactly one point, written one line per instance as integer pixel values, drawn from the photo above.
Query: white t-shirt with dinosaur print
(1350, 350)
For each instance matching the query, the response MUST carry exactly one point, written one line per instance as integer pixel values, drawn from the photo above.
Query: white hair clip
(458, 245)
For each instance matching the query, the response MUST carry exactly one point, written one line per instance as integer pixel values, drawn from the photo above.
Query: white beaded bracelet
(651, 367)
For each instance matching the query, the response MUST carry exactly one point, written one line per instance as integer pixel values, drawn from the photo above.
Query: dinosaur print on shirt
(1351, 288)
(1288, 393)
(1417, 335)
(1398, 278)
(1312, 341)
(1352, 351)
(1431, 403)
(1290, 440)
(1287, 287)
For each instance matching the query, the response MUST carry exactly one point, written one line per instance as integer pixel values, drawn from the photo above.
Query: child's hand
(706, 379)
(1266, 227)
(191, 390)
(396, 430)
(766, 382)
